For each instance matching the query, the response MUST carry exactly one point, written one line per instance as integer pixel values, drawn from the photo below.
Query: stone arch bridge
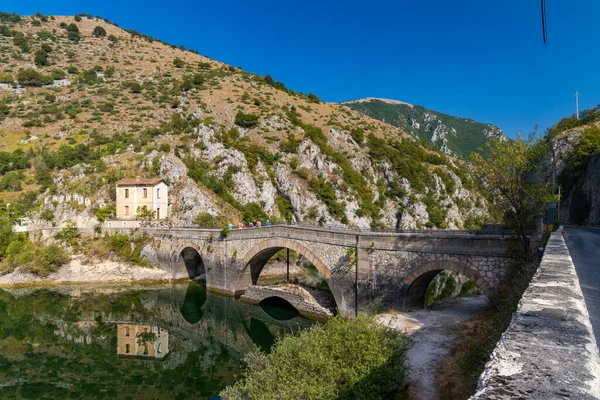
(360, 267)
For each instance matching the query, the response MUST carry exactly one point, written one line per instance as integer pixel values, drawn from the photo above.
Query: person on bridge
(230, 226)
(241, 225)
(258, 224)
(250, 224)
(268, 223)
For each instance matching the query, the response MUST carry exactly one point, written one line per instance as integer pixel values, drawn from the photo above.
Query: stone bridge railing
(549, 350)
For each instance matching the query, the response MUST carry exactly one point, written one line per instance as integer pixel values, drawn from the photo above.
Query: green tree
(145, 213)
(342, 359)
(73, 33)
(99, 31)
(11, 181)
(6, 235)
(509, 171)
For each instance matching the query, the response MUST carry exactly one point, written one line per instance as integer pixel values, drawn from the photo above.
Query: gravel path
(433, 332)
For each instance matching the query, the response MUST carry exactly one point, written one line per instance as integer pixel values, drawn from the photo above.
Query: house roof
(139, 181)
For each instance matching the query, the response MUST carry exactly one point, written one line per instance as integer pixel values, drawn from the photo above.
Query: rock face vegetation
(84, 103)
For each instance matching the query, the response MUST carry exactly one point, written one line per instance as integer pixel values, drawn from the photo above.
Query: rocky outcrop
(297, 296)
(581, 205)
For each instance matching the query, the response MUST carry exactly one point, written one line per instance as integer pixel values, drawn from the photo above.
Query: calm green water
(143, 342)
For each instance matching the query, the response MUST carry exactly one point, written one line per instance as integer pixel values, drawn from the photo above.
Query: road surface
(584, 246)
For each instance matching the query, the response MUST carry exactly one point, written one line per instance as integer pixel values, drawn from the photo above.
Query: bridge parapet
(455, 242)
(548, 350)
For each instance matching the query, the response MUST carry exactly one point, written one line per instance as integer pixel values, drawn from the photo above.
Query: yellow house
(135, 194)
(136, 340)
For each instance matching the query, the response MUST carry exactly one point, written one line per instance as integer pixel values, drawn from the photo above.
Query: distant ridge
(453, 135)
(368, 99)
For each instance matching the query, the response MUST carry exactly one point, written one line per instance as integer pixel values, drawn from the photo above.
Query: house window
(126, 331)
(127, 349)
(158, 193)
(126, 193)
(126, 210)
(145, 193)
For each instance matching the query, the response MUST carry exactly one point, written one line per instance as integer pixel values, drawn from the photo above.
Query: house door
(158, 213)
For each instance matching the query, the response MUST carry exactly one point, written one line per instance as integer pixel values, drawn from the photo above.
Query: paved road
(584, 246)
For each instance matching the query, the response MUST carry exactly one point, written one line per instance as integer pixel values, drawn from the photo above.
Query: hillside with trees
(84, 103)
(453, 135)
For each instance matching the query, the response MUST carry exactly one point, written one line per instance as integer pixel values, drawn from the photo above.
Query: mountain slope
(453, 135)
(85, 103)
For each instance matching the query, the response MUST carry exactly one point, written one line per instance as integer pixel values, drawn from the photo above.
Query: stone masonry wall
(549, 350)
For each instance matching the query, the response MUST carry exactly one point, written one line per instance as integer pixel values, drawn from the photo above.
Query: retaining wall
(549, 350)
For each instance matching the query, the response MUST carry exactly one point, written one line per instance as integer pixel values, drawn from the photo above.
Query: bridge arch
(190, 264)
(418, 279)
(255, 259)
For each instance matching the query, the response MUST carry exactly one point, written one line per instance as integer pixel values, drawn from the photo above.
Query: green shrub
(72, 70)
(290, 145)
(77, 18)
(104, 213)
(312, 98)
(6, 78)
(246, 120)
(89, 76)
(358, 134)
(58, 74)
(326, 193)
(206, 220)
(4, 110)
(164, 147)
(46, 48)
(30, 77)
(44, 35)
(126, 247)
(99, 31)
(33, 258)
(134, 86)
(41, 58)
(21, 41)
(12, 181)
(112, 38)
(178, 62)
(341, 359)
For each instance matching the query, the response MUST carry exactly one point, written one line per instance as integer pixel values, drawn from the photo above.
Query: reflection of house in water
(142, 341)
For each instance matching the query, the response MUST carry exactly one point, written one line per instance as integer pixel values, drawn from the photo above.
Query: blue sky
(478, 59)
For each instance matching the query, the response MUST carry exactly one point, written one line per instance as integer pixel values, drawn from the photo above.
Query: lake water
(130, 342)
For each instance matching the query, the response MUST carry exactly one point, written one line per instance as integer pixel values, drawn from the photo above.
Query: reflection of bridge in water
(187, 311)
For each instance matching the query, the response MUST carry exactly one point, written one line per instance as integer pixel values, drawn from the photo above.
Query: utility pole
(287, 272)
(577, 103)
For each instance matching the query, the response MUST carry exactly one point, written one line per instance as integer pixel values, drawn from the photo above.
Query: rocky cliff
(581, 205)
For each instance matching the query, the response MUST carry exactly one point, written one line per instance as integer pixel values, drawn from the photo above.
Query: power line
(544, 28)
